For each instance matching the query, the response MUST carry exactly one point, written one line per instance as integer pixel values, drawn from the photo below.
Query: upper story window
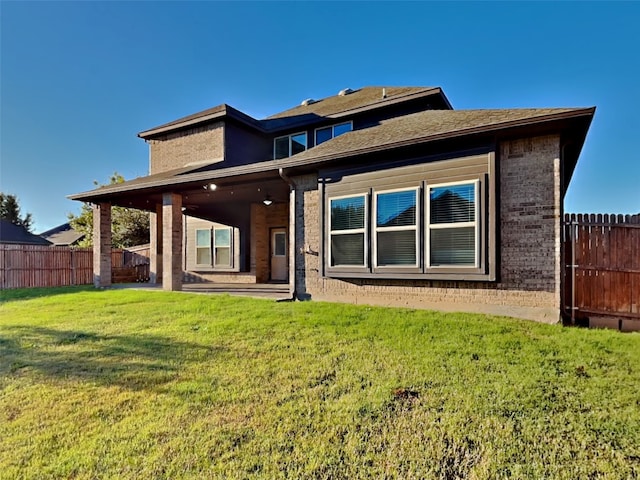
(289, 145)
(327, 133)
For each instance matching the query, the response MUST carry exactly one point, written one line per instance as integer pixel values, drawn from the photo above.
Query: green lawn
(141, 384)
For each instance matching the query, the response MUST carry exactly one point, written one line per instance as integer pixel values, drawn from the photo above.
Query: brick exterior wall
(177, 149)
(172, 241)
(102, 245)
(528, 252)
(530, 216)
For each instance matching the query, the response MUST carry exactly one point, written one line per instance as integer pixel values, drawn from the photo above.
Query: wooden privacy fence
(42, 266)
(602, 274)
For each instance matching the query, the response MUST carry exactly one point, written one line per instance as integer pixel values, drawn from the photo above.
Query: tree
(129, 227)
(10, 210)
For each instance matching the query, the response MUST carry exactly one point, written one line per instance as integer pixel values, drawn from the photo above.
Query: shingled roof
(62, 235)
(366, 98)
(17, 234)
(353, 101)
(431, 125)
(417, 128)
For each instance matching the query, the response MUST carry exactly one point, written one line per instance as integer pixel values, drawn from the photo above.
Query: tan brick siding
(529, 250)
(177, 149)
(530, 215)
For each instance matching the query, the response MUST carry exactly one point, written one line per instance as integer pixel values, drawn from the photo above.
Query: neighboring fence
(41, 266)
(602, 274)
(130, 265)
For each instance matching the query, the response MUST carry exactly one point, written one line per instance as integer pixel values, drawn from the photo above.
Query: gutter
(292, 233)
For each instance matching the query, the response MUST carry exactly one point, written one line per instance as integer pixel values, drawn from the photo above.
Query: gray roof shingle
(11, 233)
(62, 235)
(426, 125)
(329, 107)
(421, 127)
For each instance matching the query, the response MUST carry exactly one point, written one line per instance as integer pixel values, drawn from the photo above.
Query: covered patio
(253, 203)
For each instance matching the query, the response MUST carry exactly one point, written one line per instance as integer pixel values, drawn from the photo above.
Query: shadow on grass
(36, 292)
(135, 362)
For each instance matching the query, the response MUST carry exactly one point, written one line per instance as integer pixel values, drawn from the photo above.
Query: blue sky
(79, 80)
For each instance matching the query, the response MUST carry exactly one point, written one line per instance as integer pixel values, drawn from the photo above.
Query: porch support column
(171, 242)
(293, 250)
(102, 245)
(155, 240)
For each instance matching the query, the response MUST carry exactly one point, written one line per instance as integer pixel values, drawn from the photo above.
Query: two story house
(379, 195)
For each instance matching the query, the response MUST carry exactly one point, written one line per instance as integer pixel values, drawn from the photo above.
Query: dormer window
(327, 133)
(289, 145)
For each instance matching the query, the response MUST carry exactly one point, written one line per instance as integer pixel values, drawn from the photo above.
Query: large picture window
(396, 228)
(453, 225)
(416, 228)
(347, 235)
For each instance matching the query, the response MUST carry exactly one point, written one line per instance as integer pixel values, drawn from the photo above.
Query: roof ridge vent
(308, 101)
(345, 91)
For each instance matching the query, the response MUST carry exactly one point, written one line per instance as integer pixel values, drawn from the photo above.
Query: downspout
(292, 233)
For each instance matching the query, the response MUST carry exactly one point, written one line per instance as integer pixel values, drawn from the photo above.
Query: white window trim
(363, 230)
(315, 132)
(377, 229)
(306, 144)
(475, 223)
(210, 247)
(214, 254)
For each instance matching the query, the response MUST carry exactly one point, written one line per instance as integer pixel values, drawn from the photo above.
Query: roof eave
(292, 162)
(586, 112)
(226, 112)
(365, 108)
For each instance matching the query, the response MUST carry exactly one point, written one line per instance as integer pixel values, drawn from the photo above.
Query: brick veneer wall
(194, 145)
(529, 252)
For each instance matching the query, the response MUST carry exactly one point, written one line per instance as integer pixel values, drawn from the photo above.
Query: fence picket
(606, 276)
(24, 266)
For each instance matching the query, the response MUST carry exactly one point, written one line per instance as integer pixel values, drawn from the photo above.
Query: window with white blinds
(452, 225)
(347, 231)
(415, 230)
(396, 228)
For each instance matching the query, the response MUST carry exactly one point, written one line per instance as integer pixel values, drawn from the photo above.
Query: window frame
(332, 127)
(417, 227)
(198, 247)
(214, 257)
(467, 166)
(428, 227)
(365, 230)
(290, 137)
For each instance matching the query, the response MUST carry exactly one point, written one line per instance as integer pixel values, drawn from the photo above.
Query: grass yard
(141, 384)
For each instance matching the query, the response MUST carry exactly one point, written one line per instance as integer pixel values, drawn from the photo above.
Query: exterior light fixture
(267, 200)
(210, 186)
